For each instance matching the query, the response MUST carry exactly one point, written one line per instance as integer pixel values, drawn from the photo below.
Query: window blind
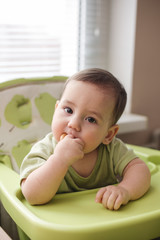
(46, 38)
(28, 51)
(40, 42)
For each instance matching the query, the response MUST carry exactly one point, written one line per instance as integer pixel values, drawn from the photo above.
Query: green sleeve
(39, 153)
(121, 155)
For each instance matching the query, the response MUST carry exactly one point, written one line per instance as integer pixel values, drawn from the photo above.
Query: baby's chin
(90, 151)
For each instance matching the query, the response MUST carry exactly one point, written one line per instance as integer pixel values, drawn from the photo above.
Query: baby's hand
(112, 197)
(69, 149)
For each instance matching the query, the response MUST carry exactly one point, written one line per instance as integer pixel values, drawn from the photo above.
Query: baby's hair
(104, 80)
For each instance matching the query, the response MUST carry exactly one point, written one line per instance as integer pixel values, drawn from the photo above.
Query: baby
(82, 151)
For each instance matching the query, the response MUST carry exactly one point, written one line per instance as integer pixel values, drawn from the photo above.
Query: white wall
(122, 25)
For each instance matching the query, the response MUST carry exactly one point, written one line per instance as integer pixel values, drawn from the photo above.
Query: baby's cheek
(56, 132)
(91, 143)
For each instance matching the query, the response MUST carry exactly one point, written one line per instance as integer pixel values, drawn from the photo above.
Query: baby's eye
(68, 110)
(91, 119)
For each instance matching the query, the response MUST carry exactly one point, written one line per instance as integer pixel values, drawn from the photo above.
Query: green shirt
(111, 161)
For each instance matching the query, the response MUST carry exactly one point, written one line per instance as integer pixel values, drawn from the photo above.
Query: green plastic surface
(77, 216)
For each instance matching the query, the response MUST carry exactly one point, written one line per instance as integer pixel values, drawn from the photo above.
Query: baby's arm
(135, 183)
(42, 184)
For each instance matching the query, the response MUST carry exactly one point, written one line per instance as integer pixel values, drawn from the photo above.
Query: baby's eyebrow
(67, 102)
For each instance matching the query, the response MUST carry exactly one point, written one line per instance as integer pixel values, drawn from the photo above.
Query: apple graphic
(5, 159)
(20, 151)
(45, 104)
(19, 111)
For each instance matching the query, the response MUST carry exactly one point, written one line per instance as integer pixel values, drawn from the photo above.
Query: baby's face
(84, 112)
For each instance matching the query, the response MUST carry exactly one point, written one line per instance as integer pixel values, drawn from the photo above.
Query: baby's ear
(112, 131)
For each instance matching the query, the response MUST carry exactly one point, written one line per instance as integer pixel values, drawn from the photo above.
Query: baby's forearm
(42, 184)
(136, 179)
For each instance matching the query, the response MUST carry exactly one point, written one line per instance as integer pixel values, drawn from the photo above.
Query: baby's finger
(109, 199)
(118, 202)
(99, 195)
(80, 142)
(122, 199)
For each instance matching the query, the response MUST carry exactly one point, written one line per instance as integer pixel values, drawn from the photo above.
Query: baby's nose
(75, 124)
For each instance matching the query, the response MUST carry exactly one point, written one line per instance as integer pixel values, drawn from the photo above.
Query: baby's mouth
(65, 134)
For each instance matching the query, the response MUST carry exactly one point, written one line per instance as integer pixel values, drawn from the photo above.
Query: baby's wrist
(59, 161)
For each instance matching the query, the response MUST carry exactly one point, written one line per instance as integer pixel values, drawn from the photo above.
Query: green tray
(77, 216)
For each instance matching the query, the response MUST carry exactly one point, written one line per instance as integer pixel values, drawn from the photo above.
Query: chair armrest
(146, 154)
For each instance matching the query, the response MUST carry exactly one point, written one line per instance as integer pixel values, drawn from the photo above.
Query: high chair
(26, 110)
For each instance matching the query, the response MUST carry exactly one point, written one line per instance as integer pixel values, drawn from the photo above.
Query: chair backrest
(26, 109)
